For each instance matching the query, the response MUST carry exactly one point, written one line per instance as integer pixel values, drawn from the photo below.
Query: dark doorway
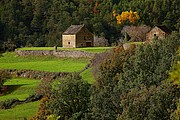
(88, 44)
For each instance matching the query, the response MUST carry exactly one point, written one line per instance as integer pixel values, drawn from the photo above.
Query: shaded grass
(88, 76)
(87, 49)
(19, 88)
(42, 63)
(20, 112)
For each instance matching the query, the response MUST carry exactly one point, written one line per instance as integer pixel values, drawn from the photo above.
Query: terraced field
(19, 88)
(10, 60)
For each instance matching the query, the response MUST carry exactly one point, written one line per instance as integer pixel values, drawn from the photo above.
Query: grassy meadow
(20, 112)
(19, 88)
(10, 60)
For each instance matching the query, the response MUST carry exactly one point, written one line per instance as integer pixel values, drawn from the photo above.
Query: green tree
(151, 62)
(70, 98)
(131, 84)
(149, 103)
(108, 69)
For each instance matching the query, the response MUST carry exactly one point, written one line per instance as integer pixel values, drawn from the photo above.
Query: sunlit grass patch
(20, 112)
(19, 88)
(42, 63)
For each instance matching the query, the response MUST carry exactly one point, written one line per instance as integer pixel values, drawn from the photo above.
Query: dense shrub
(70, 98)
(132, 85)
(108, 67)
(44, 88)
(9, 45)
(43, 109)
(3, 77)
(149, 103)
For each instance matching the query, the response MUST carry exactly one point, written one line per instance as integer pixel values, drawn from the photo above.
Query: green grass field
(10, 60)
(19, 88)
(20, 112)
(87, 49)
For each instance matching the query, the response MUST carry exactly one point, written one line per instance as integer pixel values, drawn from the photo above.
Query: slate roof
(165, 29)
(73, 29)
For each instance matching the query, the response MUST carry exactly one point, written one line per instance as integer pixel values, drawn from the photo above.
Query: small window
(84, 37)
(154, 35)
(69, 43)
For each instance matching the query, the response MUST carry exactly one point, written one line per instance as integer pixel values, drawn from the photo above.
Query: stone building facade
(77, 36)
(159, 32)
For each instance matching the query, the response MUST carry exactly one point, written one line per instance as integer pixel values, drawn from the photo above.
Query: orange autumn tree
(130, 16)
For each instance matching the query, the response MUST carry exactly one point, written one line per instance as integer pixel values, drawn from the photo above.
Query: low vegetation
(45, 63)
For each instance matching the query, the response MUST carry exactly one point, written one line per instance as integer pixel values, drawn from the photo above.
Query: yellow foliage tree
(130, 16)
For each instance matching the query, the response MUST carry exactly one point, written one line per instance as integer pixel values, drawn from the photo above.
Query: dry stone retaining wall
(59, 53)
(73, 54)
(33, 52)
(37, 74)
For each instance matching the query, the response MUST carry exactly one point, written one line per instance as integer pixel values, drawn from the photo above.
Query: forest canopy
(42, 22)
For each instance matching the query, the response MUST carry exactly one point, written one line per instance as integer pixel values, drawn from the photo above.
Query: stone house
(158, 31)
(77, 36)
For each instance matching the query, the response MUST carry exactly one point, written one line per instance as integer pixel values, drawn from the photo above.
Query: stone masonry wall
(73, 54)
(41, 75)
(59, 53)
(33, 52)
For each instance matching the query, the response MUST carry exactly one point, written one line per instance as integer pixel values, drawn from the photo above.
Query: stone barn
(158, 31)
(77, 36)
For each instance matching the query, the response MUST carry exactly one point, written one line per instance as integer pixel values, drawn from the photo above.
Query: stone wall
(33, 52)
(41, 75)
(73, 54)
(58, 53)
